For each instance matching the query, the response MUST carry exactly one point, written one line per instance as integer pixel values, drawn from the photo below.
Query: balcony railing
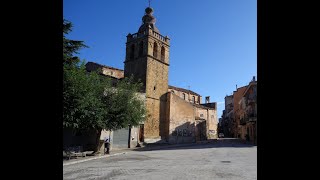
(148, 32)
(159, 36)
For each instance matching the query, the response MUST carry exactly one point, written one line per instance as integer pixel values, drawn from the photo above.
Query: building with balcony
(240, 115)
(249, 127)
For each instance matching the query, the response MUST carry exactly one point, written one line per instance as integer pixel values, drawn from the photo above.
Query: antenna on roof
(149, 3)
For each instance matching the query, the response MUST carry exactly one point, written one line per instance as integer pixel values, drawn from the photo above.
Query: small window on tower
(140, 49)
(162, 53)
(155, 50)
(154, 88)
(132, 51)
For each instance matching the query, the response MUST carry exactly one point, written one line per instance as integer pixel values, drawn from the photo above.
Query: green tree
(84, 108)
(90, 101)
(125, 105)
(70, 47)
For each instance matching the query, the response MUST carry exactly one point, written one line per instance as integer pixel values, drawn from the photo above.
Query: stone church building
(175, 115)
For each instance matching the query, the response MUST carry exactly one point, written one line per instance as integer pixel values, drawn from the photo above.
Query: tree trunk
(97, 145)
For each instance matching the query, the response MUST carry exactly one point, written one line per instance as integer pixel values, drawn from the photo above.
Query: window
(132, 51)
(154, 88)
(201, 115)
(184, 96)
(162, 53)
(111, 73)
(155, 50)
(140, 49)
(172, 91)
(194, 99)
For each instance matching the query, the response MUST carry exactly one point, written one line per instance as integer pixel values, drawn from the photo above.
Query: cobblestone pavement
(223, 159)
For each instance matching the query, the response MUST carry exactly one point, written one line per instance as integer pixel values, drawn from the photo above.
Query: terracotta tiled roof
(183, 90)
(105, 75)
(103, 66)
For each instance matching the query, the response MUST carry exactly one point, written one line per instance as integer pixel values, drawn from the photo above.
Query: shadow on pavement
(215, 143)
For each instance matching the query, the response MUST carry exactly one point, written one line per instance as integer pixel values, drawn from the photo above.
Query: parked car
(221, 135)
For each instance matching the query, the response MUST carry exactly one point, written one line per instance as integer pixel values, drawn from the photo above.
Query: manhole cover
(225, 161)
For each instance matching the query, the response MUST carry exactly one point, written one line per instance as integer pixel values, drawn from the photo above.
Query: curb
(151, 148)
(99, 157)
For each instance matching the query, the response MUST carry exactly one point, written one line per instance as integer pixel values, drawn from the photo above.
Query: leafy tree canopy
(70, 47)
(125, 105)
(90, 100)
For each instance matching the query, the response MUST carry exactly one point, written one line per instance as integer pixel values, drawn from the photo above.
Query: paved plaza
(223, 159)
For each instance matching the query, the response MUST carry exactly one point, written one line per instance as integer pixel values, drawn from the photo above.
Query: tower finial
(148, 20)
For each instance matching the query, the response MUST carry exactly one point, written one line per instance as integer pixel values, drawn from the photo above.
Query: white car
(221, 135)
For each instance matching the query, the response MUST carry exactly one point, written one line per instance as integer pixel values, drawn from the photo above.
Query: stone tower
(147, 59)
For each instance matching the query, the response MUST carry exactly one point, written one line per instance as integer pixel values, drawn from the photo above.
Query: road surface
(225, 159)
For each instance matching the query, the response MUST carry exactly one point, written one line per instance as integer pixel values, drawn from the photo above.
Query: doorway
(141, 133)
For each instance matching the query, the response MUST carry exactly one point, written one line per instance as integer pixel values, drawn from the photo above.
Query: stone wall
(213, 124)
(152, 122)
(106, 70)
(157, 79)
(137, 68)
(153, 71)
(113, 72)
(186, 96)
(181, 120)
(210, 115)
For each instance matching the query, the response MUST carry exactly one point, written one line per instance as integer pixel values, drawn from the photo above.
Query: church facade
(174, 114)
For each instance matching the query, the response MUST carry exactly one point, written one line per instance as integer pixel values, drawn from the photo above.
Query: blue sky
(213, 42)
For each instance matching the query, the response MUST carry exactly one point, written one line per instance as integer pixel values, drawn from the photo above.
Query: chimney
(254, 78)
(236, 86)
(207, 99)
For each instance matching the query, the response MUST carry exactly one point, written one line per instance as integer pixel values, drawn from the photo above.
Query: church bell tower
(147, 59)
